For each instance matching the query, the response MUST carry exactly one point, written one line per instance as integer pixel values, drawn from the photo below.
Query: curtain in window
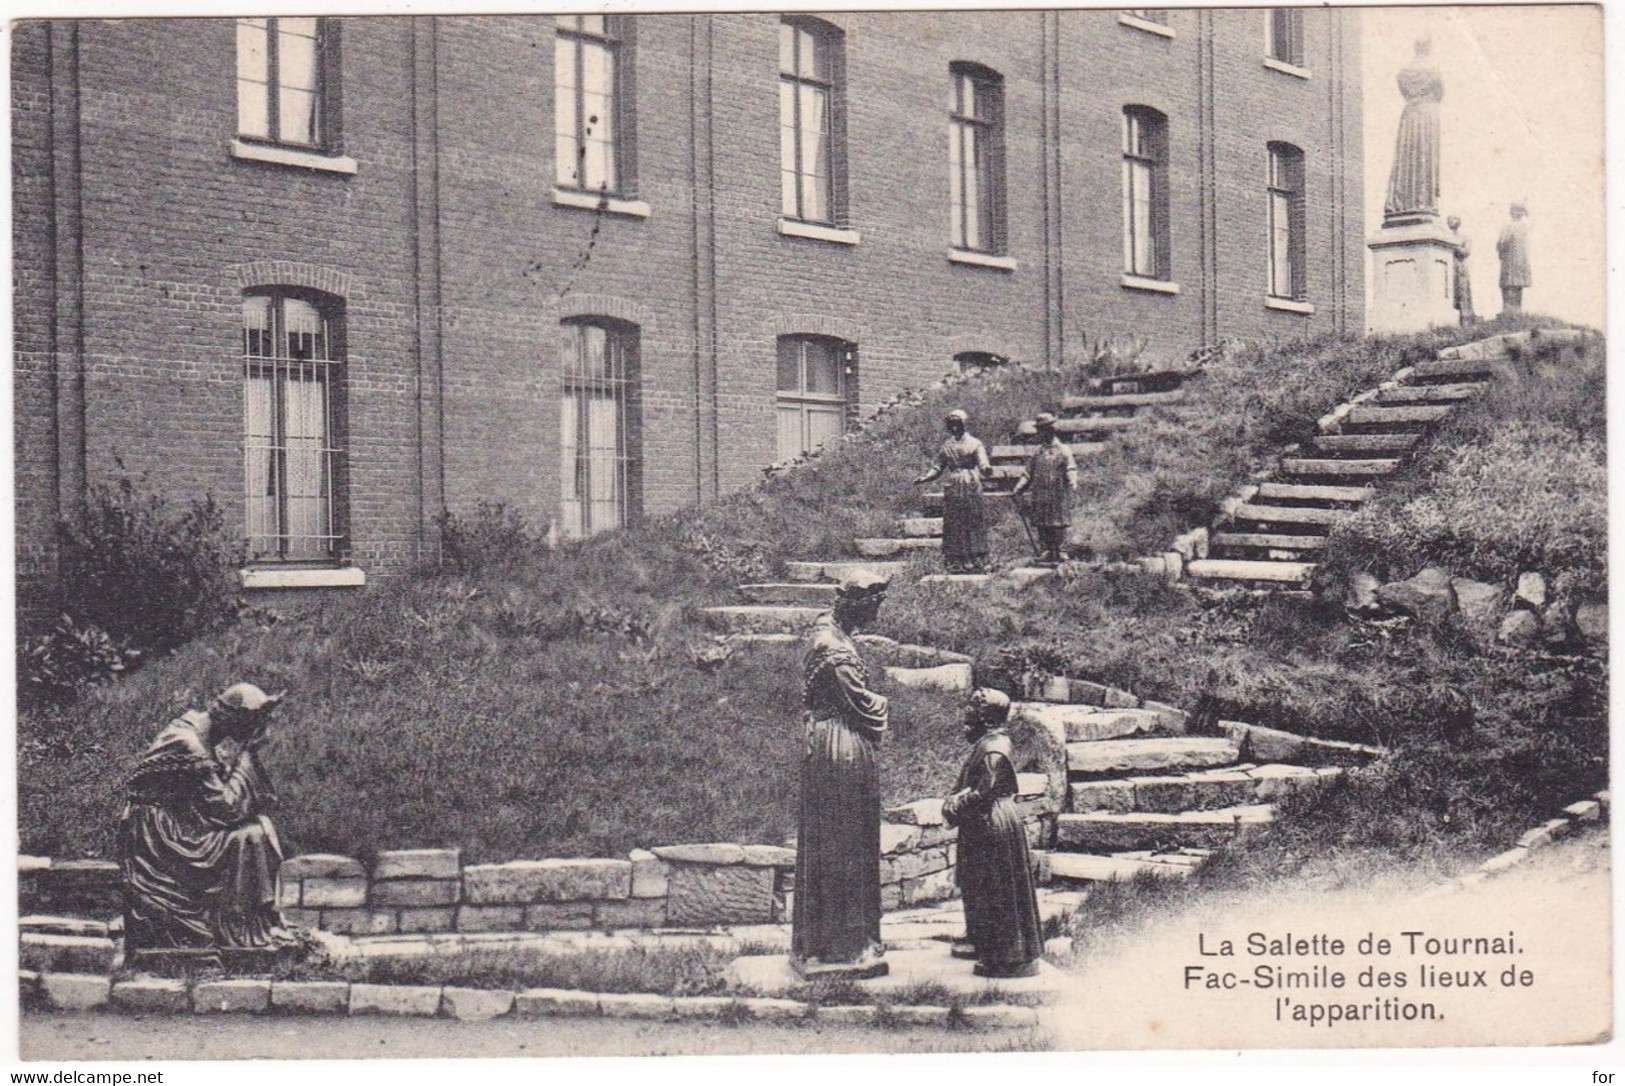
(584, 104)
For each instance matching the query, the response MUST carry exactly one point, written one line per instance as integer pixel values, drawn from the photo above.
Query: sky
(1521, 119)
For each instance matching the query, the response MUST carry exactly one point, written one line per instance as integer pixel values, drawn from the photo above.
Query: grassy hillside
(556, 702)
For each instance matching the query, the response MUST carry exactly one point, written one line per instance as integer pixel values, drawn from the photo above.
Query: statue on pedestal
(835, 925)
(962, 464)
(1413, 184)
(994, 867)
(197, 854)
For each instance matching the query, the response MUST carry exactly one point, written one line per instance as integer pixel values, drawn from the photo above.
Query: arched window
(293, 415)
(1287, 271)
(1145, 194)
(599, 440)
(976, 158)
(977, 361)
(817, 388)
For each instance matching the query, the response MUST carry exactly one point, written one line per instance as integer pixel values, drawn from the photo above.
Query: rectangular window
(287, 81)
(810, 180)
(976, 160)
(1286, 36)
(1145, 194)
(597, 437)
(1149, 15)
(813, 393)
(1287, 273)
(592, 103)
(291, 410)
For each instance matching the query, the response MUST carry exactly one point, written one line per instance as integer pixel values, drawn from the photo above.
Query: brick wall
(457, 263)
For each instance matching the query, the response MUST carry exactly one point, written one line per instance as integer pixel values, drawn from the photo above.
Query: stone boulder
(1427, 597)
(1360, 594)
(1531, 591)
(1520, 629)
(1480, 603)
(1591, 620)
(1039, 743)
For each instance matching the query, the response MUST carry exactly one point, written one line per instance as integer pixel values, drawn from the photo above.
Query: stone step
(64, 925)
(1430, 393)
(1107, 831)
(1267, 541)
(1289, 514)
(1453, 368)
(932, 500)
(761, 618)
(46, 953)
(1089, 724)
(1133, 399)
(957, 578)
(1232, 569)
(1302, 466)
(1411, 417)
(1130, 384)
(1205, 790)
(1121, 867)
(1352, 445)
(1024, 452)
(886, 548)
(803, 593)
(1180, 753)
(835, 571)
(1284, 493)
(919, 527)
(951, 678)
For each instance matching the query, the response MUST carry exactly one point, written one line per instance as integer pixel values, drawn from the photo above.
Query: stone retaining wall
(432, 890)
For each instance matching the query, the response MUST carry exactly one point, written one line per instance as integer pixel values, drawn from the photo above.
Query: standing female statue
(835, 927)
(994, 869)
(1413, 186)
(962, 463)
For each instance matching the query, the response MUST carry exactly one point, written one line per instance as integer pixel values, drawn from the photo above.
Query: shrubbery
(135, 578)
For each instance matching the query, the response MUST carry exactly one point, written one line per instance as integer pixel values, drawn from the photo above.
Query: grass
(566, 702)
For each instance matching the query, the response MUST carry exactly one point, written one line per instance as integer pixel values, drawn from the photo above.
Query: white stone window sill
(1287, 305)
(1290, 69)
(982, 260)
(794, 228)
(348, 577)
(1145, 24)
(1156, 286)
(592, 201)
(290, 156)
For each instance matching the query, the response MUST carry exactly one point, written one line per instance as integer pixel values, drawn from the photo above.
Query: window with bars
(976, 158)
(593, 104)
(817, 385)
(1285, 33)
(811, 124)
(287, 82)
(293, 419)
(599, 450)
(1145, 194)
(1287, 271)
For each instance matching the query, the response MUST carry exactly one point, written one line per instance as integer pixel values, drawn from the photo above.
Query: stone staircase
(1145, 794)
(1271, 534)
(1086, 423)
(783, 610)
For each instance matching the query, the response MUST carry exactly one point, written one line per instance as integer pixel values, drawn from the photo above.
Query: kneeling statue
(197, 854)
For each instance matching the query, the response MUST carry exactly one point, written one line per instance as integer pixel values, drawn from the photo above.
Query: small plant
(56, 665)
(492, 536)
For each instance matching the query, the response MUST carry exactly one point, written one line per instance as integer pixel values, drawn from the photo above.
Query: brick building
(344, 273)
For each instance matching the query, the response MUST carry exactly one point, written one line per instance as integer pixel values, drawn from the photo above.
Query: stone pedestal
(1413, 283)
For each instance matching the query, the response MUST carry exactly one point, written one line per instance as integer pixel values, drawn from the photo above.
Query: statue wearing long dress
(1045, 489)
(962, 463)
(197, 855)
(835, 925)
(1413, 184)
(1463, 281)
(994, 867)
